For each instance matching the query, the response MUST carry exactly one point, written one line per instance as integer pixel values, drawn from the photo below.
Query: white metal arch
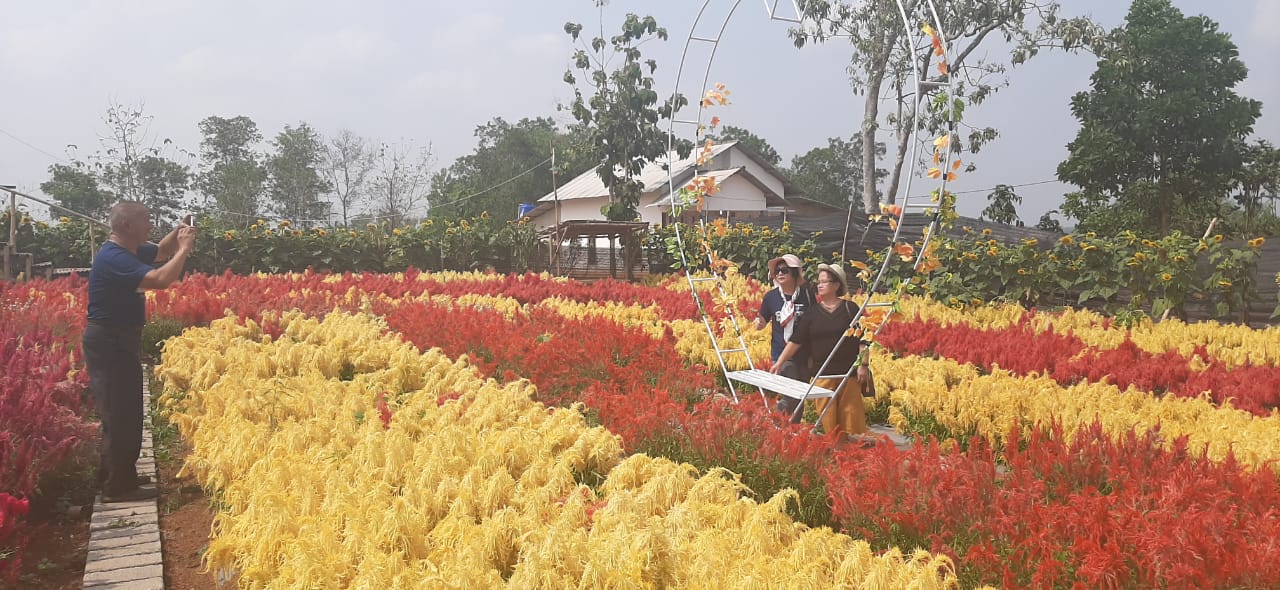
(920, 13)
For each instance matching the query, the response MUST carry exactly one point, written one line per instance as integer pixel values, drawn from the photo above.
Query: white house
(748, 187)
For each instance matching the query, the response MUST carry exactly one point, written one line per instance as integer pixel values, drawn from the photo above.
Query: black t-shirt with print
(819, 330)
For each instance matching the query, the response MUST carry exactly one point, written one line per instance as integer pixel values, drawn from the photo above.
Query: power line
(28, 144)
(983, 190)
(507, 181)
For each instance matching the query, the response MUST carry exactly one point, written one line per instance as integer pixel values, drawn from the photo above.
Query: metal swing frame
(764, 380)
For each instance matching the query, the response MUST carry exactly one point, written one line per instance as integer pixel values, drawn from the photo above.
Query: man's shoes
(137, 494)
(138, 480)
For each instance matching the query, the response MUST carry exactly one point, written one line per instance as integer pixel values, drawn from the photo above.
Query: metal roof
(654, 176)
(719, 176)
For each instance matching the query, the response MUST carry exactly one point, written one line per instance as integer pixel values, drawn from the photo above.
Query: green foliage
(76, 187)
(1162, 129)
(479, 243)
(129, 166)
(748, 246)
(1160, 276)
(505, 151)
(619, 120)
(1003, 205)
(163, 185)
(1048, 223)
(833, 174)
(233, 175)
(66, 244)
(296, 184)
(739, 454)
(1259, 176)
(134, 168)
(874, 29)
(1231, 283)
(155, 332)
(749, 141)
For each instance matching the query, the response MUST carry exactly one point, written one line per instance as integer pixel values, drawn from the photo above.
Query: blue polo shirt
(114, 296)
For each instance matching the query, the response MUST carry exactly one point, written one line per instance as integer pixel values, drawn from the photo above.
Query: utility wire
(28, 144)
(983, 190)
(505, 182)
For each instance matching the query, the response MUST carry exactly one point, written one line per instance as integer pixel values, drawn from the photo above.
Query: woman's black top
(819, 330)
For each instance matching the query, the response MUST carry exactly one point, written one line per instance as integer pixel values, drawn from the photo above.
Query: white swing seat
(779, 384)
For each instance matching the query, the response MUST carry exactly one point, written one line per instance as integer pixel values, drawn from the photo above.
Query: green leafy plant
(1161, 276)
(155, 332)
(748, 246)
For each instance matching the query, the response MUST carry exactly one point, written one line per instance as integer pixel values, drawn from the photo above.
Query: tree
(131, 165)
(880, 55)
(510, 165)
(233, 174)
(121, 149)
(401, 179)
(1258, 176)
(163, 186)
(296, 184)
(348, 160)
(752, 142)
(832, 174)
(75, 187)
(1048, 223)
(1003, 205)
(1161, 130)
(620, 118)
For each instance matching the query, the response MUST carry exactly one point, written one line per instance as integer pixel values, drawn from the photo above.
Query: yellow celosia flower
(343, 457)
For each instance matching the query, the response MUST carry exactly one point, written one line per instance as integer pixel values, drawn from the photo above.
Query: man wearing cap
(782, 308)
(817, 335)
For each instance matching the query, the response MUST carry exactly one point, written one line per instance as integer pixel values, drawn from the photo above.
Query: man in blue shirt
(112, 340)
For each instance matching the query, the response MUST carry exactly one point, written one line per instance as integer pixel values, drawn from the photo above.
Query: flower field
(475, 430)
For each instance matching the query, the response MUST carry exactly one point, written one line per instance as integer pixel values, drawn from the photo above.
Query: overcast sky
(430, 72)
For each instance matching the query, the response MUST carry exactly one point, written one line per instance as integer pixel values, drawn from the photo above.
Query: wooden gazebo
(588, 250)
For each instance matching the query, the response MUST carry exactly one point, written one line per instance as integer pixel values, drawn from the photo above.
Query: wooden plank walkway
(124, 537)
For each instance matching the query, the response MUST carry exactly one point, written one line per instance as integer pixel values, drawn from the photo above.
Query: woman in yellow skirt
(819, 330)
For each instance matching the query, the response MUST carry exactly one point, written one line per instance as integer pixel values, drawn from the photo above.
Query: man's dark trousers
(112, 353)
